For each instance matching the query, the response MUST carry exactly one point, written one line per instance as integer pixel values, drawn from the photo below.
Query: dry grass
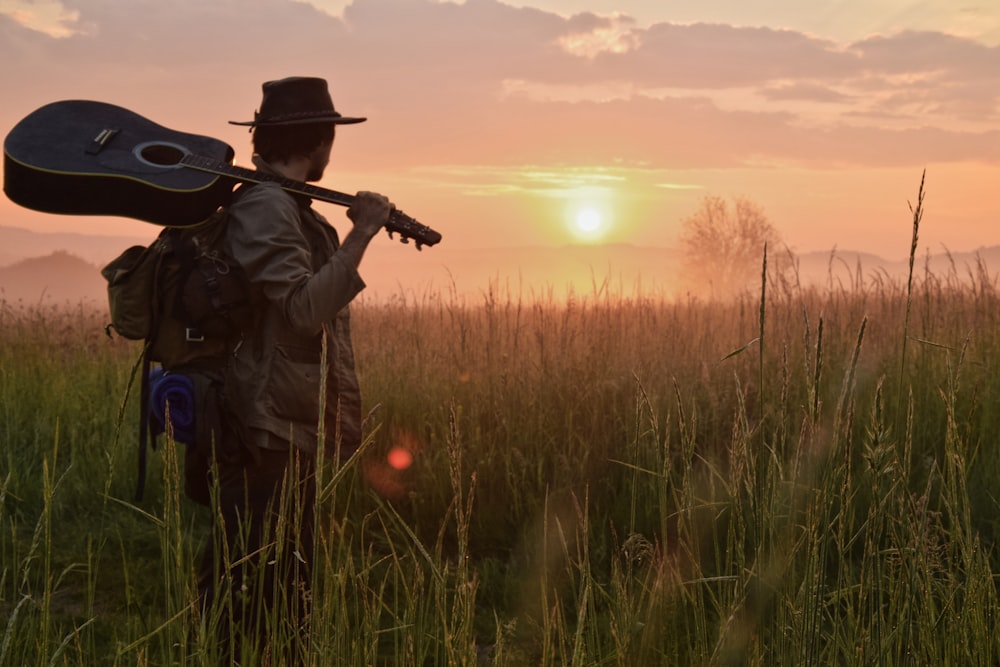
(612, 479)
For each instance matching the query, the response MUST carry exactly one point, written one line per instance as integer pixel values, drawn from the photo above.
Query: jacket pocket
(294, 387)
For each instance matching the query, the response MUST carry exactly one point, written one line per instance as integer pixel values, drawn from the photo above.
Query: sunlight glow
(588, 220)
(50, 17)
(616, 37)
(588, 224)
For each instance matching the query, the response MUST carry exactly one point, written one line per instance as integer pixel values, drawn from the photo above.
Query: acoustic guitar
(92, 158)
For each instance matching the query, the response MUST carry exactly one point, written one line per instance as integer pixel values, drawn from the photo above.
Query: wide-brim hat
(294, 101)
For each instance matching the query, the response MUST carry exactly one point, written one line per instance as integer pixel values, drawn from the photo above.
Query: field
(801, 476)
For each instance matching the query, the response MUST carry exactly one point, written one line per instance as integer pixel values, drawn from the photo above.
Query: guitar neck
(398, 223)
(254, 176)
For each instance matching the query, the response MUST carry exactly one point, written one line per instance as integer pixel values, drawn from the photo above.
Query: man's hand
(369, 213)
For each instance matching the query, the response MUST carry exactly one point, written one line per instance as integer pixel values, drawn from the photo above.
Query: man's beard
(318, 161)
(315, 172)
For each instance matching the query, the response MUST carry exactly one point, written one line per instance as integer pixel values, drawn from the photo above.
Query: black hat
(294, 101)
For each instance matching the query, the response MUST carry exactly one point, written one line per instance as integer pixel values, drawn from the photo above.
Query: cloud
(705, 56)
(912, 52)
(485, 83)
(805, 91)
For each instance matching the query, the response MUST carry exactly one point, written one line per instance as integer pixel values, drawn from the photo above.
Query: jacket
(303, 287)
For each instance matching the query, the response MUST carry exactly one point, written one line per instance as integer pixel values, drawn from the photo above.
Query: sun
(588, 220)
(588, 224)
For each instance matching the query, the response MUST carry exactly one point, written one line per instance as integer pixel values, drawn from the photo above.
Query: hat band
(298, 115)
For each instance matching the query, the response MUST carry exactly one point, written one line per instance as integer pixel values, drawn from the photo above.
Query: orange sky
(496, 123)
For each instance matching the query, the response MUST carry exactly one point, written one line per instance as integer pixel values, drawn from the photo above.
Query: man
(256, 571)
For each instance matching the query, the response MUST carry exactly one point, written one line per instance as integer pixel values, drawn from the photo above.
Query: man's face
(319, 159)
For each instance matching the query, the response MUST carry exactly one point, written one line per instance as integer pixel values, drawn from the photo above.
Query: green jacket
(303, 286)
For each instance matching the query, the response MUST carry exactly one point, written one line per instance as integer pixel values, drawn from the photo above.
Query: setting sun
(588, 224)
(588, 220)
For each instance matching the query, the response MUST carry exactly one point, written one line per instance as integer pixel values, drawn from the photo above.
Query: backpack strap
(185, 253)
(145, 367)
(143, 423)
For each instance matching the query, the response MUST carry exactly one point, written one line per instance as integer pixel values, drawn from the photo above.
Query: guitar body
(92, 158)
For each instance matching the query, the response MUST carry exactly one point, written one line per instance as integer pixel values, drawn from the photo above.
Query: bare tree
(722, 247)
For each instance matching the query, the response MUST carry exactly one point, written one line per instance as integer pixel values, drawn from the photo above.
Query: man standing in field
(303, 278)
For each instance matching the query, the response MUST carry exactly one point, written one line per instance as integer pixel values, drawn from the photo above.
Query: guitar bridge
(101, 140)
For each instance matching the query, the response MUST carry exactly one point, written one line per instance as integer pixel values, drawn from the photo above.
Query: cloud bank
(488, 83)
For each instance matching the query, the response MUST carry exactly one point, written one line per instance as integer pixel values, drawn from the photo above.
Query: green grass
(803, 478)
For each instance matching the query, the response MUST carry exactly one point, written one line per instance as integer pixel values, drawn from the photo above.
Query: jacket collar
(265, 167)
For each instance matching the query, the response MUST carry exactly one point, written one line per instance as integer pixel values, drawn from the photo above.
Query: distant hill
(66, 267)
(17, 243)
(54, 279)
(846, 267)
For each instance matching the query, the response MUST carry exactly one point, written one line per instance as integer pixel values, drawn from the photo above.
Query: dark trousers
(254, 580)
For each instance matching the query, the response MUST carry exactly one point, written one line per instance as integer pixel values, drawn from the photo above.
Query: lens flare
(392, 474)
(399, 458)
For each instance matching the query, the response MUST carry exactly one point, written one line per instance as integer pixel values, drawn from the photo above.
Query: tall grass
(801, 476)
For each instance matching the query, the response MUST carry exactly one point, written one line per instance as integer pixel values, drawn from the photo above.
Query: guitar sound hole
(161, 155)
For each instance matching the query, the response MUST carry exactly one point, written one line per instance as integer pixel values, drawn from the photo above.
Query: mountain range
(65, 267)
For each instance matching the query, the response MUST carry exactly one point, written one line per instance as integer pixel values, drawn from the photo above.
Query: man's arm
(265, 236)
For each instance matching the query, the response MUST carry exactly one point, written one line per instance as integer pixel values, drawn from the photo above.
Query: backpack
(190, 303)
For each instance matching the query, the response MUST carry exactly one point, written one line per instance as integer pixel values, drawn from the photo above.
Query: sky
(550, 122)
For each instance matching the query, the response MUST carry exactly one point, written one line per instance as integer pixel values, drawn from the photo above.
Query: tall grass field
(799, 477)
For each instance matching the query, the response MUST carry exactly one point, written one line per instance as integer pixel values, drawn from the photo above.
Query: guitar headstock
(408, 228)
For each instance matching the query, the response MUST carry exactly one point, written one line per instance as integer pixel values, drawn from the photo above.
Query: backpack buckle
(192, 335)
